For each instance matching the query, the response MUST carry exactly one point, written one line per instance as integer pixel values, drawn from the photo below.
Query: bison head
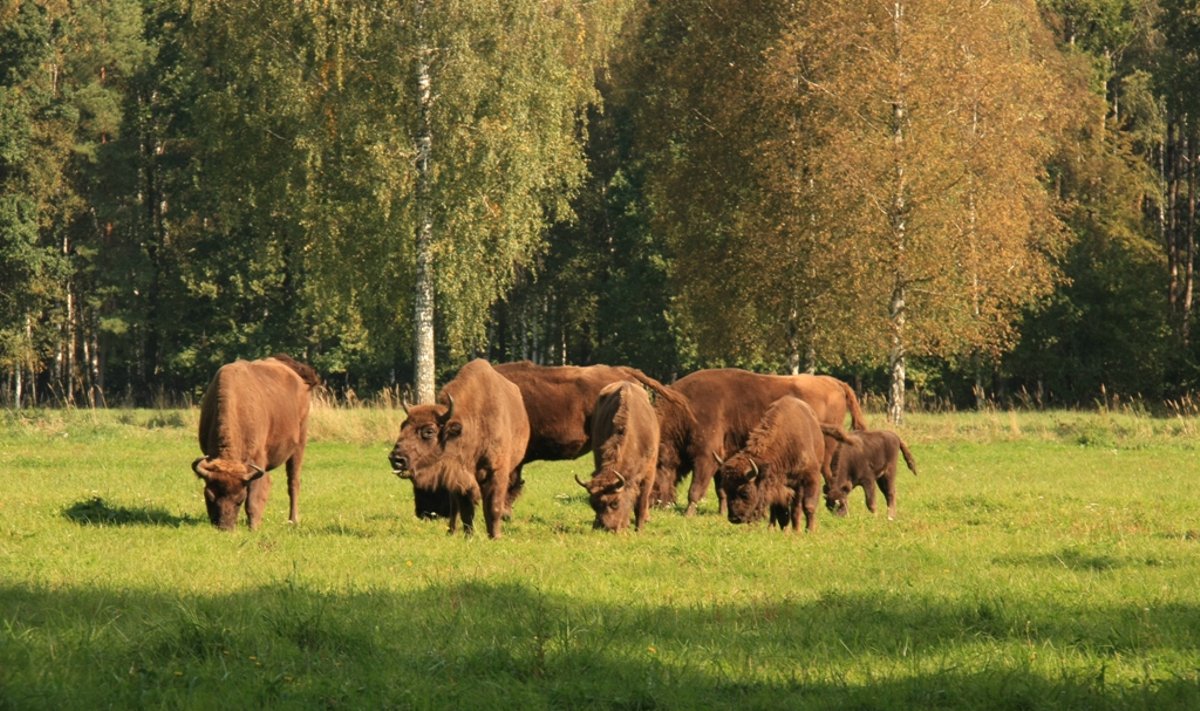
(226, 486)
(837, 487)
(423, 438)
(745, 490)
(611, 498)
(837, 494)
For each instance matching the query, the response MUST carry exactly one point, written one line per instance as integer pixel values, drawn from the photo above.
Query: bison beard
(254, 417)
(470, 446)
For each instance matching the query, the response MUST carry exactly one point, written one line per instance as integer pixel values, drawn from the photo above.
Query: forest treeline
(970, 198)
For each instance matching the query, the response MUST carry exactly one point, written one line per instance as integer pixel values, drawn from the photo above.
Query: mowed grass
(1040, 560)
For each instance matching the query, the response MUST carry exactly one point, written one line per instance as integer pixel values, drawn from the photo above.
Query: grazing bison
(469, 446)
(725, 405)
(625, 436)
(870, 459)
(254, 417)
(559, 401)
(782, 458)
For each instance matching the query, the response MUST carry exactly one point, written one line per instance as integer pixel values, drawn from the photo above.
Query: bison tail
(908, 457)
(839, 434)
(857, 421)
(670, 395)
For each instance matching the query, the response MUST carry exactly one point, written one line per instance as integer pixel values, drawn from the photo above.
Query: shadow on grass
(511, 645)
(98, 512)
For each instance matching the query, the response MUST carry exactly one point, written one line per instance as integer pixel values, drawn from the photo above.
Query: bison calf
(625, 436)
(254, 417)
(869, 458)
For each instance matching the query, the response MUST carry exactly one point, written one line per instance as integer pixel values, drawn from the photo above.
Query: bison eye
(428, 432)
(612, 506)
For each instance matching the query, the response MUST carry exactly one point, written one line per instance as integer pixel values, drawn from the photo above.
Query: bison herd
(771, 443)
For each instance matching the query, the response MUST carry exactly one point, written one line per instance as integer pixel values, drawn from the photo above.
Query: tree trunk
(1189, 233)
(67, 382)
(897, 312)
(793, 342)
(423, 350)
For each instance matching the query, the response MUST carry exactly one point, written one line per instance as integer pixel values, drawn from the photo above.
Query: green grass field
(1040, 560)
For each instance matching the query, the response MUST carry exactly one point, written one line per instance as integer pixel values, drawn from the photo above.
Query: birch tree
(887, 126)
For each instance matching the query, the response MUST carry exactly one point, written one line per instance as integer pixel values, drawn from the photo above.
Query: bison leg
(665, 484)
(515, 486)
(831, 446)
(703, 470)
(811, 496)
(642, 512)
(464, 508)
(495, 494)
(256, 500)
(888, 483)
(869, 493)
(293, 478)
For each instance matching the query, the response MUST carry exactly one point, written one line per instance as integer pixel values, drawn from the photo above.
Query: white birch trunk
(423, 349)
(897, 312)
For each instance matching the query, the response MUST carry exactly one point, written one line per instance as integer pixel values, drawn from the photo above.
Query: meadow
(1041, 560)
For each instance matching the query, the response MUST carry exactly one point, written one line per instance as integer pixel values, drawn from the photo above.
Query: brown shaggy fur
(254, 417)
(470, 448)
(869, 459)
(625, 432)
(559, 401)
(783, 454)
(725, 405)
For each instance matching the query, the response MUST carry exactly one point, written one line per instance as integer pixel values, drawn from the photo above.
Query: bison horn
(755, 468)
(720, 462)
(620, 481)
(449, 408)
(200, 471)
(255, 471)
(581, 483)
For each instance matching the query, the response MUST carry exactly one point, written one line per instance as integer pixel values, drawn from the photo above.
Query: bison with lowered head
(468, 444)
(559, 401)
(870, 459)
(254, 417)
(725, 405)
(782, 457)
(625, 436)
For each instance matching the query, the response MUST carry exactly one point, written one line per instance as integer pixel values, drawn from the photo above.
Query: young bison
(782, 457)
(872, 458)
(625, 436)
